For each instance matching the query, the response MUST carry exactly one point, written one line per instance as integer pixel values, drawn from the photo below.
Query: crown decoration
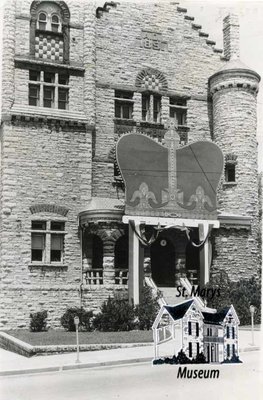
(167, 180)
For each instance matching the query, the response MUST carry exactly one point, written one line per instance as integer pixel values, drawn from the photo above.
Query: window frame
(229, 169)
(122, 99)
(49, 22)
(47, 232)
(49, 80)
(178, 110)
(151, 107)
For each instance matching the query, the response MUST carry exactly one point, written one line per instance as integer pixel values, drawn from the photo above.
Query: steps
(169, 295)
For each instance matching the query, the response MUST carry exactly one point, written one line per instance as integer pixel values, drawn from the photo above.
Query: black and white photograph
(131, 177)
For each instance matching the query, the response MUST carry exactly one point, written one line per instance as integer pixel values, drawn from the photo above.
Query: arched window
(49, 31)
(121, 253)
(93, 251)
(42, 21)
(55, 23)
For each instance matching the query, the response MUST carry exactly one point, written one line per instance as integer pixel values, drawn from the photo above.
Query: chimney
(231, 36)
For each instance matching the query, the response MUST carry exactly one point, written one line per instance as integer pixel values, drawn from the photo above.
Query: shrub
(182, 358)
(38, 321)
(199, 359)
(147, 310)
(241, 294)
(85, 317)
(115, 315)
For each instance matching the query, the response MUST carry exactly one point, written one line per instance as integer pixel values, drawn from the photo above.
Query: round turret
(234, 89)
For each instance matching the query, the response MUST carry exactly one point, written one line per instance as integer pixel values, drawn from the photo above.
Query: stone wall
(121, 55)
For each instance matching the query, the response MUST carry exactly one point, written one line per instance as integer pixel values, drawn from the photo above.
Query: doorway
(163, 262)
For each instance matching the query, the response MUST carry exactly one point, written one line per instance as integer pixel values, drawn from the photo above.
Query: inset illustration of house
(195, 328)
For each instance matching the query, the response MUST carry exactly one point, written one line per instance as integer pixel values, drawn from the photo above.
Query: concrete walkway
(12, 364)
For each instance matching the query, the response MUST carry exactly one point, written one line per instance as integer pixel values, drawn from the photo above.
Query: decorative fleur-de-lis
(144, 195)
(200, 198)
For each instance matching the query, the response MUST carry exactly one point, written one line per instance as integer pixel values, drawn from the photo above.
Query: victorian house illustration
(196, 329)
(128, 155)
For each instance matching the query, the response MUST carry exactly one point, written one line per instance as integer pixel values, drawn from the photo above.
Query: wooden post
(204, 254)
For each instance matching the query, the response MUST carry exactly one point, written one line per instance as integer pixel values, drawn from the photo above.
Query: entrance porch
(173, 255)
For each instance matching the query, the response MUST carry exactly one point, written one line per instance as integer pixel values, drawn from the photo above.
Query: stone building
(75, 78)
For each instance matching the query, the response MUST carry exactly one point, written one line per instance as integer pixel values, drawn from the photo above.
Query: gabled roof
(215, 318)
(178, 311)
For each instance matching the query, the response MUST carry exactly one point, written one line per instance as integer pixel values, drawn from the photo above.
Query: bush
(38, 321)
(182, 358)
(241, 294)
(147, 310)
(199, 359)
(115, 315)
(85, 317)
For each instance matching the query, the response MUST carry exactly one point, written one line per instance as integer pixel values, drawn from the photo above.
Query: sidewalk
(14, 364)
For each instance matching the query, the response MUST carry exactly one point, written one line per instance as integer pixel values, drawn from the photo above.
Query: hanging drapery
(187, 232)
(140, 232)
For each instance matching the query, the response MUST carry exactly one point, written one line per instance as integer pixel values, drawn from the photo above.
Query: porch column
(136, 258)
(205, 256)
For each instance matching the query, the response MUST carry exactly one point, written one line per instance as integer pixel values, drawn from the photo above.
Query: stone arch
(93, 251)
(62, 5)
(151, 79)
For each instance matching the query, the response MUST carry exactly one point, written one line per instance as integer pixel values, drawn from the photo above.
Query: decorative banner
(167, 181)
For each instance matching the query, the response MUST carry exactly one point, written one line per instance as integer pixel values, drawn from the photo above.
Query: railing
(121, 276)
(151, 284)
(213, 339)
(192, 276)
(94, 276)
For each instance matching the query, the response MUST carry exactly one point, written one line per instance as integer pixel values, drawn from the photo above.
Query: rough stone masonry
(63, 80)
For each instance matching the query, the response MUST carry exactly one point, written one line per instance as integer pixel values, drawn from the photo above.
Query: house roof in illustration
(178, 311)
(216, 318)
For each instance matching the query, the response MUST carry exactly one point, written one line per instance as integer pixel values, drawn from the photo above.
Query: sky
(210, 15)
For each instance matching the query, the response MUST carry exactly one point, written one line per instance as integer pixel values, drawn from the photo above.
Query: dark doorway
(163, 262)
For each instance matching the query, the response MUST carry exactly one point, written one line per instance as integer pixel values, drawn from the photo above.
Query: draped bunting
(140, 232)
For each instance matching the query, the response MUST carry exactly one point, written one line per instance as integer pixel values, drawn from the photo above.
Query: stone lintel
(27, 63)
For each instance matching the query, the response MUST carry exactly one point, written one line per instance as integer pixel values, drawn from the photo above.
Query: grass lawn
(57, 337)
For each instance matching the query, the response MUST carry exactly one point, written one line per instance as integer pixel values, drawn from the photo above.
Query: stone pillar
(108, 262)
(135, 267)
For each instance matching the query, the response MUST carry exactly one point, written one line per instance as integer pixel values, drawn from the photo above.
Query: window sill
(49, 32)
(183, 128)
(151, 125)
(123, 121)
(45, 265)
(229, 184)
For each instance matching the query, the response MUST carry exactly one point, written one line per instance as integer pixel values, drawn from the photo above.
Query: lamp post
(76, 322)
(252, 311)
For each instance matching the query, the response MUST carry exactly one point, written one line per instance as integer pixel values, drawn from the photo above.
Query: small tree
(115, 315)
(85, 317)
(38, 321)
